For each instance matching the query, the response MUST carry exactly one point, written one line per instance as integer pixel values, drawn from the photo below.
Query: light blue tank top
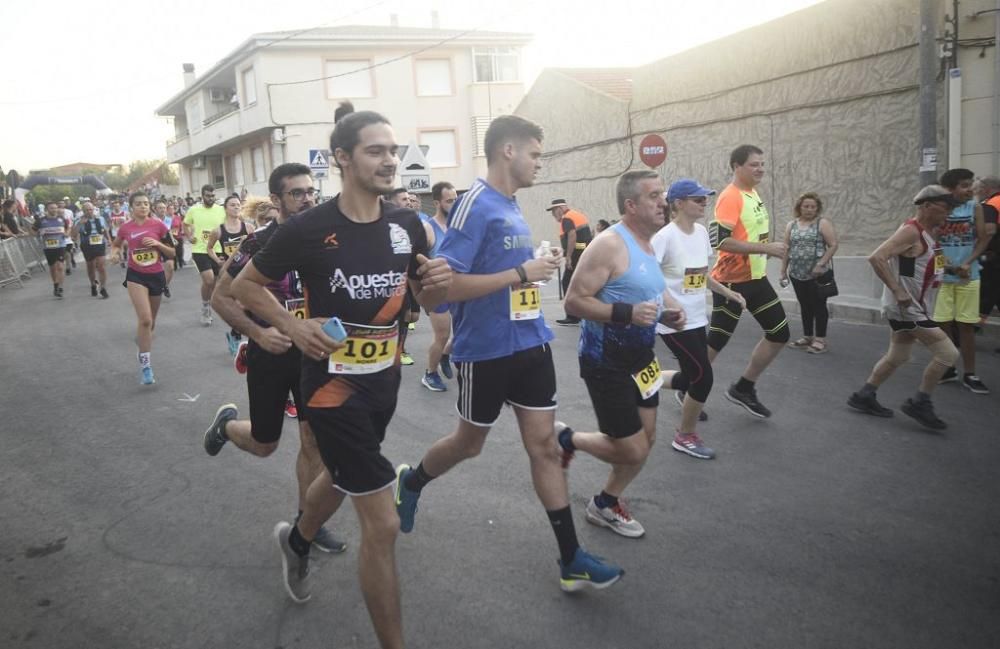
(624, 347)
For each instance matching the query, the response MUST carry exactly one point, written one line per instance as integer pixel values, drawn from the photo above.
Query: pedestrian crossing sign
(318, 159)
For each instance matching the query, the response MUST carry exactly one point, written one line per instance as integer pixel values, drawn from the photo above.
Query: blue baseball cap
(686, 188)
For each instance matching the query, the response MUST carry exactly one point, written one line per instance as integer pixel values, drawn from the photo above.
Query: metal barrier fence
(18, 257)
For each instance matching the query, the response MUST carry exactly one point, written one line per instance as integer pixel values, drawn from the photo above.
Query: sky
(80, 81)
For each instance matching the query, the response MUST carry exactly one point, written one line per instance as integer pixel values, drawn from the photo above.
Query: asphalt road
(817, 528)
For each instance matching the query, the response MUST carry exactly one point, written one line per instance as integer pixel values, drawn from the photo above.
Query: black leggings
(812, 306)
(691, 349)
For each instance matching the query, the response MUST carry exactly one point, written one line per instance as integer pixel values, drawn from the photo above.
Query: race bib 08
(525, 302)
(368, 349)
(649, 379)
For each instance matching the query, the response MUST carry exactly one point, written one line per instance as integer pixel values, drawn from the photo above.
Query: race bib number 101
(368, 349)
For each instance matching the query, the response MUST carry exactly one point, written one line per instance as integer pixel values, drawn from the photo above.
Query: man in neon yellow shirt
(740, 234)
(200, 222)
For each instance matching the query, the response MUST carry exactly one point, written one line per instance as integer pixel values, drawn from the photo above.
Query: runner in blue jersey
(620, 294)
(501, 342)
(439, 351)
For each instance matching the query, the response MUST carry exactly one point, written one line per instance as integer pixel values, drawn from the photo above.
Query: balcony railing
(229, 110)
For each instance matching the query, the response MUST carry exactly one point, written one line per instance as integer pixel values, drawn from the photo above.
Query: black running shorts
(349, 439)
(270, 378)
(203, 262)
(616, 401)
(154, 282)
(91, 253)
(910, 325)
(54, 255)
(526, 379)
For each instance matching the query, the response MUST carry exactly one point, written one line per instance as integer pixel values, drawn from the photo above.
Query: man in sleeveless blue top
(501, 343)
(439, 351)
(620, 294)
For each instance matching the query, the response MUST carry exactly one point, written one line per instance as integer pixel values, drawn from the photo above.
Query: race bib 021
(145, 257)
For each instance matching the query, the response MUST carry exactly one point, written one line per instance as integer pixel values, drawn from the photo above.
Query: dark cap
(556, 202)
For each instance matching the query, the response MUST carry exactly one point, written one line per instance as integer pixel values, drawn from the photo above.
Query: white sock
(144, 359)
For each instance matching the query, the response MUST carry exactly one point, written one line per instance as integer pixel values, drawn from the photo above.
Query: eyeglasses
(299, 194)
(700, 200)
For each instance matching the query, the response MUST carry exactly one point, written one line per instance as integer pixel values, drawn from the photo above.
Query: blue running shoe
(406, 500)
(586, 570)
(432, 381)
(147, 376)
(446, 366)
(233, 342)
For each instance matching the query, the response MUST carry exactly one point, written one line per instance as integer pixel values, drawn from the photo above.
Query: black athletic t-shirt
(287, 290)
(357, 272)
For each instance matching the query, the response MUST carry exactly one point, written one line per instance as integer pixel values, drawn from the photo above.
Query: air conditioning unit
(199, 162)
(218, 95)
(278, 136)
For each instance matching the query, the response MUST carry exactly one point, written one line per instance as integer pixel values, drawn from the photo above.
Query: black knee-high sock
(562, 525)
(402, 336)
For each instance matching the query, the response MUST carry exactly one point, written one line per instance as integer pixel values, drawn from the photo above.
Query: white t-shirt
(684, 261)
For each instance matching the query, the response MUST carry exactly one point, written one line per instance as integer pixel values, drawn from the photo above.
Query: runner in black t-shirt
(355, 256)
(272, 364)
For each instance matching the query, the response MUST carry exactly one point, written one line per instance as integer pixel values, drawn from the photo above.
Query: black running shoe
(748, 400)
(868, 405)
(93, 290)
(923, 412)
(568, 322)
(950, 375)
(104, 293)
(166, 292)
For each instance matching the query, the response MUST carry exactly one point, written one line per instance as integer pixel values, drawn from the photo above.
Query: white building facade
(273, 99)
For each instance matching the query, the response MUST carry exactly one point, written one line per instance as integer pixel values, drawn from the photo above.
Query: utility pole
(928, 93)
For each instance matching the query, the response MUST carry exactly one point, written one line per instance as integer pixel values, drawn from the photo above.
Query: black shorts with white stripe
(525, 379)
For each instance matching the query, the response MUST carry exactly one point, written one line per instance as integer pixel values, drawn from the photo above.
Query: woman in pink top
(147, 242)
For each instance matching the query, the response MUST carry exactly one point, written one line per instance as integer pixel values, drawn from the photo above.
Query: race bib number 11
(525, 303)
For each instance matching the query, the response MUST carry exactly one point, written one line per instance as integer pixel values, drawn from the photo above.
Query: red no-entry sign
(652, 151)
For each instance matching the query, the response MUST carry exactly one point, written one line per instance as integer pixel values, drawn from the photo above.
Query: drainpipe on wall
(996, 90)
(928, 93)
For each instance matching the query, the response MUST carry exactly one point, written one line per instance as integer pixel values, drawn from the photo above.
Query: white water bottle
(544, 249)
